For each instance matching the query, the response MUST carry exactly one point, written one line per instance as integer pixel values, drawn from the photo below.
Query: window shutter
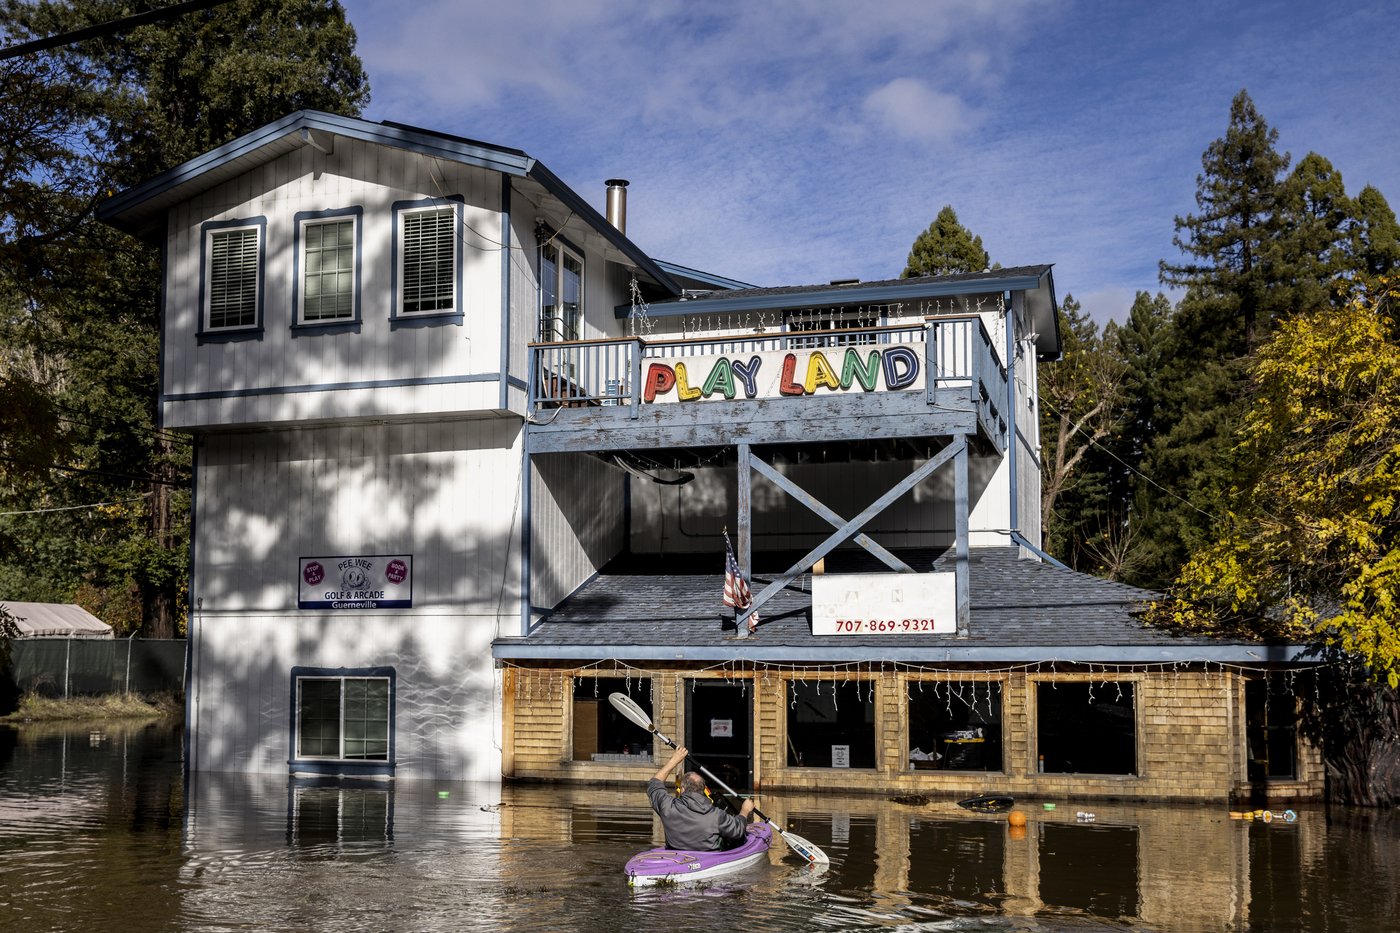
(233, 278)
(429, 259)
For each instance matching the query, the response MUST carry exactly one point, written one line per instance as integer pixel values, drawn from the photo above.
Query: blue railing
(958, 353)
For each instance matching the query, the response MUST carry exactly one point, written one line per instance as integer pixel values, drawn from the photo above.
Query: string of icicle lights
(960, 683)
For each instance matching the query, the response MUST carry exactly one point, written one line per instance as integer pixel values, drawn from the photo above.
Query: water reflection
(97, 826)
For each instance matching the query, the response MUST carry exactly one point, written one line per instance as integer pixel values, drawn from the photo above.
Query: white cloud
(913, 110)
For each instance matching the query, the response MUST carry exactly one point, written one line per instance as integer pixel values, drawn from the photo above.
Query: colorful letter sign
(777, 374)
(378, 581)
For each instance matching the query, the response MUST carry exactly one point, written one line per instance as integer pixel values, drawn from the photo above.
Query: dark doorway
(719, 730)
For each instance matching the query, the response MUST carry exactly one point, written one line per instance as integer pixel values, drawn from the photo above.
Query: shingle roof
(992, 280)
(1021, 609)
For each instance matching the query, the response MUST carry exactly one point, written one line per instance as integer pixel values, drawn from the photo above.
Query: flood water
(99, 829)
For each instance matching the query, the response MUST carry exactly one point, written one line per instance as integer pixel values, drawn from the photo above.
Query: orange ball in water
(1016, 818)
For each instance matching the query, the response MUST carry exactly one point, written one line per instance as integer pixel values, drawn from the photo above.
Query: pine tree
(945, 248)
(1237, 194)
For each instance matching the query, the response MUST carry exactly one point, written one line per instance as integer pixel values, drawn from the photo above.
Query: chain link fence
(67, 667)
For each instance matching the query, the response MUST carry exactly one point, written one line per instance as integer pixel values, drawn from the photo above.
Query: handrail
(606, 370)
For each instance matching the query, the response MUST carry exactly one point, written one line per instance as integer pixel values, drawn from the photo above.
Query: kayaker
(690, 818)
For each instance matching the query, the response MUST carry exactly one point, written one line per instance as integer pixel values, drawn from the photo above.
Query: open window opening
(601, 733)
(1086, 727)
(1271, 727)
(955, 726)
(830, 725)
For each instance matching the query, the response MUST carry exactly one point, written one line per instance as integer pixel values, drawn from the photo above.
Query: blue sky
(798, 141)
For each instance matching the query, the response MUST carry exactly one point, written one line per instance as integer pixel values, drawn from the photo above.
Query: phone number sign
(884, 604)
(362, 581)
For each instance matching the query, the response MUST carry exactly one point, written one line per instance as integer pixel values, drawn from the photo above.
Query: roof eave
(827, 297)
(571, 199)
(752, 652)
(137, 209)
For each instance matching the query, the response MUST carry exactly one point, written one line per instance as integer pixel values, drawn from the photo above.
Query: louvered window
(233, 278)
(329, 280)
(429, 261)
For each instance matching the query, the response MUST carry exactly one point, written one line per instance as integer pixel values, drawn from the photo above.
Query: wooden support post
(636, 377)
(960, 552)
(744, 478)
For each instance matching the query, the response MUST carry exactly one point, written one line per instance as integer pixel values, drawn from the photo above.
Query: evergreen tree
(1237, 194)
(945, 248)
(1374, 236)
(1309, 255)
(79, 328)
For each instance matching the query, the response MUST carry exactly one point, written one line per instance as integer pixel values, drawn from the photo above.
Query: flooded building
(468, 461)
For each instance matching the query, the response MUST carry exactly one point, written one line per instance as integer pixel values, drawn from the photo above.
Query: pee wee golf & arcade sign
(369, 581)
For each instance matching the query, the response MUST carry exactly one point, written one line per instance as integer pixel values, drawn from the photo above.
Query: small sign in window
(721, 728)
(840, 756)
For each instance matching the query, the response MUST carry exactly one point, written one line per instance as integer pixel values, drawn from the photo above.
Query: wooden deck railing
(957, 354)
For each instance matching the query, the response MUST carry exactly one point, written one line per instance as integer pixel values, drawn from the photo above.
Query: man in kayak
(690, 818)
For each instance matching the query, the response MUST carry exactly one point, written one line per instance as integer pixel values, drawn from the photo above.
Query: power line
(108, 28)
(70, 508)
(73, 469)
(1132, 469)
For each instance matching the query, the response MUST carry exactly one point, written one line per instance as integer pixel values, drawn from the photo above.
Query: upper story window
(327, 282)
(427, 261)
(231, 285)
(561, 291)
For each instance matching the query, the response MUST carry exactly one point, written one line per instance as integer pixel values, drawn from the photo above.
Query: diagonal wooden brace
(850, 528)
(807, 499)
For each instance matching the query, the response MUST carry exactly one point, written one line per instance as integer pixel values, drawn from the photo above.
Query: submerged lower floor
(1173, 731)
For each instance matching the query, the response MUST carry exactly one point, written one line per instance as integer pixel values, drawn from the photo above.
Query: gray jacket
(692, 821)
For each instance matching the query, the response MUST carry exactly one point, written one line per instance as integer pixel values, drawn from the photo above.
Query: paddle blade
(805, 849)
(624, 705)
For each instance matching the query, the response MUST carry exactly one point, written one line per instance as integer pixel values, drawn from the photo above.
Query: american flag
(736, 588)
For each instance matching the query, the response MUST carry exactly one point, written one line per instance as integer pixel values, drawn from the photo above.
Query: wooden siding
(1190, 744)
(576, 507)
(445, 493)
(241, 687)
(306, 180)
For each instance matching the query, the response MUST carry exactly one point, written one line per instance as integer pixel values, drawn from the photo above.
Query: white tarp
(55, 620)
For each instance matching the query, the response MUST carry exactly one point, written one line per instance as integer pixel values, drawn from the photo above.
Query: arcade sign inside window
(884, 604)
(371, 581)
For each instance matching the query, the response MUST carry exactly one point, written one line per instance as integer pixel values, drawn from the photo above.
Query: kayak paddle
(796, 843)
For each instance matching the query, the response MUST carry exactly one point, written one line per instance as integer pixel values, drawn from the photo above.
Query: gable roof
(140, 210)
(1023, 611)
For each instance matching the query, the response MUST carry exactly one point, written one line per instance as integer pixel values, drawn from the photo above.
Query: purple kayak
(658, 866)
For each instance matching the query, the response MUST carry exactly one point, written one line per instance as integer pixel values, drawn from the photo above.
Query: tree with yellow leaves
(1309, 547)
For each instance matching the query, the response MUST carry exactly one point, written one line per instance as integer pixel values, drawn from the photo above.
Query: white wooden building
(439, 400)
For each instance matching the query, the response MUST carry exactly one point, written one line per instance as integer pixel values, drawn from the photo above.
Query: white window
(343, 718)
(233, 273)
(428, 261)
(328, 271)
(561, 292)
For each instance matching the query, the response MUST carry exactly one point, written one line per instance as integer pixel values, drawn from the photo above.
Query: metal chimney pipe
(617, 203)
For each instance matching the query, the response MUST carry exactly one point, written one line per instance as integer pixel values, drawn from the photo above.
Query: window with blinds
(328, 284)
(233, 278)
(428, 261)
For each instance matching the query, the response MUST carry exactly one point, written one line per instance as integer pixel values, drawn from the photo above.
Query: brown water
(98, 830)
